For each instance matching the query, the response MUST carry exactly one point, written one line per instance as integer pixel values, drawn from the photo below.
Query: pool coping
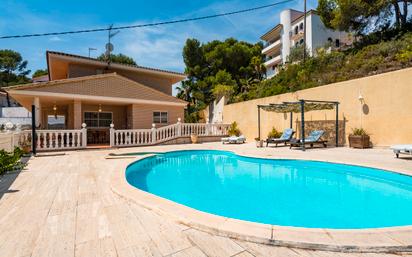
(375, 240)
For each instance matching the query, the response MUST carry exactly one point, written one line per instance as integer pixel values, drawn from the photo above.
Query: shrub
(233, 129)
(378, 56)
(10, 161)
(274, 133)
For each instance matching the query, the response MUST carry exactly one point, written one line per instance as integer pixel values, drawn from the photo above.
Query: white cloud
(55, 39)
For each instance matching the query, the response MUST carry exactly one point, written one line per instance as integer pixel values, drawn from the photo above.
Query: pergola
(301, 107)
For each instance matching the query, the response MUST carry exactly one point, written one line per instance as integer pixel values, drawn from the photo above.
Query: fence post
(207, 132)
(154, 133)
(111, 134)
(179, 127)
(84, 135)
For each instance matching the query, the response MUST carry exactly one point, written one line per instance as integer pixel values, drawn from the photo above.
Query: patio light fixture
(100, 108)
(55, 111)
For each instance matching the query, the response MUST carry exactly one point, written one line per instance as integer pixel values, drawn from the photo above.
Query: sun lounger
(285, 138)
(234, 139)
(313, 138)
(402, 149)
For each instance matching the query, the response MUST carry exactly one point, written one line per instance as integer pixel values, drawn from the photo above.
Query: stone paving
(63, 205)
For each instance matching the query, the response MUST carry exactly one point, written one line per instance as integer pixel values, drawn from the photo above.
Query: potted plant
(359, 138)
(259, 142)
(25, 146)
(233, 130)
(194, 138)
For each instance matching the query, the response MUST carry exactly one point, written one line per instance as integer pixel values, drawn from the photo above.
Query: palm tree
(184, 91)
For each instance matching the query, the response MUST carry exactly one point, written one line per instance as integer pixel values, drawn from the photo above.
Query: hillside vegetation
(336, 66)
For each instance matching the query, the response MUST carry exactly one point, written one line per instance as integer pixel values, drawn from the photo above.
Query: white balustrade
(48, 140)
(140, 137)
(130, 137)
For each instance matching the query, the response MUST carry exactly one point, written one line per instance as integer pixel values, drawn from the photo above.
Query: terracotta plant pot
(359, 141)
(26, 149)
(194, 138)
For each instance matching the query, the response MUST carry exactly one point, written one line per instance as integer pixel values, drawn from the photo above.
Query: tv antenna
(109, 45)
(91, 49)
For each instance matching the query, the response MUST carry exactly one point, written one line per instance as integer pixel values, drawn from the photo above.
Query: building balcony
(274, 46)
(297, 36)
(275, 60)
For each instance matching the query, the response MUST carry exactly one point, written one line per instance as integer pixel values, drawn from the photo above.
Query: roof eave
(116, 65)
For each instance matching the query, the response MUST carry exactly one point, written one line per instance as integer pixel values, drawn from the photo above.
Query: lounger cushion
(314, 136)
(401, 148)
(287, 134)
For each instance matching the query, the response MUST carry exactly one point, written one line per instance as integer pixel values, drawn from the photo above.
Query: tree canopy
(40, 72)
(118, 58)
(363, 16)
(219, 68)
(13, 69)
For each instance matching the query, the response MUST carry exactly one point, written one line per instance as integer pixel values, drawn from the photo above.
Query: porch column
(77, 114)
(37, 114)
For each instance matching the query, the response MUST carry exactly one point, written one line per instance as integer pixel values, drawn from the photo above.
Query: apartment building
(289, 33)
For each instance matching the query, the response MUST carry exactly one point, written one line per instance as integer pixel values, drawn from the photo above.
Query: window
(296, 30)
(337, 43)
(56, 122)
(301, 26)
(160, 117)
(98, 119)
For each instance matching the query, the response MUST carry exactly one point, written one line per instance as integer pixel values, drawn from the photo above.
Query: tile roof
(99, 87)
(121, 64)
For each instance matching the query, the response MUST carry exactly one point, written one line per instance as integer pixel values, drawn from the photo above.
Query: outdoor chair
(234, 139)
(402, 149)
(285, 138)
(313, 138)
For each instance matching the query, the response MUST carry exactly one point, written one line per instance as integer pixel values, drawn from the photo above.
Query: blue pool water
(280, 192)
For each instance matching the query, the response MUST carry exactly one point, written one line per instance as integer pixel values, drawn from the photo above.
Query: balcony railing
(269, 48)
(274, 60)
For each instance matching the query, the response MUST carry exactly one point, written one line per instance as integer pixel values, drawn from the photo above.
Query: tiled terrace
(64, 206)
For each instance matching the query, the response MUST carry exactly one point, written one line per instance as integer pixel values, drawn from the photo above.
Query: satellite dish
(109, 47)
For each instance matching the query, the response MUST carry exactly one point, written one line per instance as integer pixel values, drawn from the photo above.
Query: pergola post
(337, 124)
(302, 123)
(259, 122)
(291, 120)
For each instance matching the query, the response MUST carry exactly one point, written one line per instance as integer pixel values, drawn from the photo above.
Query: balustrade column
(112, 135)
(84, 135)
(179, 127)
(154, 140)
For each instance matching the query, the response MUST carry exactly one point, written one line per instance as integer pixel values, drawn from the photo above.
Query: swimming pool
(295, 193)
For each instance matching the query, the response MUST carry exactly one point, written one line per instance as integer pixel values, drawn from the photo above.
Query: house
(289, 33)
(42, 78)
(86, 90)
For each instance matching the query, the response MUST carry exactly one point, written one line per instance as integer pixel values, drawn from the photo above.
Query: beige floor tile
(214, 246)
(189, 252)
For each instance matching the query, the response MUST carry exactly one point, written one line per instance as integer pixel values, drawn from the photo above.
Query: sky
(159, 47)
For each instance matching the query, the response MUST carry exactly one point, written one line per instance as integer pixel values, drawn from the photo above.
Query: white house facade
(289, 33)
